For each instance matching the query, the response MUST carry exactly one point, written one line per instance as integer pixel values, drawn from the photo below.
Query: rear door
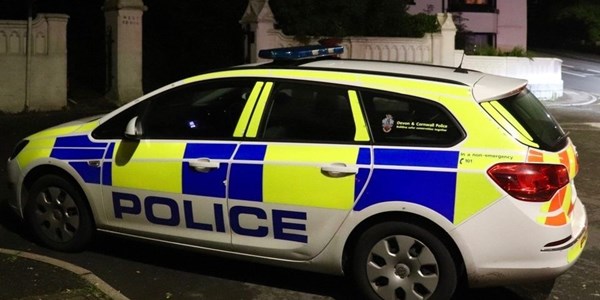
(297, 176)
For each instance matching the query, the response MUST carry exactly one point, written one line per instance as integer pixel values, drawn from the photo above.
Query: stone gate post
(124, 35)
(448, 32)
(258, 21)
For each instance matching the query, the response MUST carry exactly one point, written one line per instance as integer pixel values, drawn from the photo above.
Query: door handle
(204, 165)
(94, 163)
(337, 170)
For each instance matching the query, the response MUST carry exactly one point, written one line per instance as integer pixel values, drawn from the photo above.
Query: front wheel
(396, 260)
(58, 214)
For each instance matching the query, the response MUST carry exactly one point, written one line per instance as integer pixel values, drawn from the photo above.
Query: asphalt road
(580, 72)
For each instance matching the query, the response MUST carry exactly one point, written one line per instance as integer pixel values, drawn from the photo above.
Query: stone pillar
(258, 19)
(448, 31)
(124, 33)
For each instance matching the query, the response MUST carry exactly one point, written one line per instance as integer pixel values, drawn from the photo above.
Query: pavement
(42, 277)
(572, 98)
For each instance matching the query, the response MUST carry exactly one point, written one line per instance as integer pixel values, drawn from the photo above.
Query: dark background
(181, 38)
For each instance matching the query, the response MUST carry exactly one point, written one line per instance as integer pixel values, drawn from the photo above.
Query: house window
(477, 2)
(472, 5)
(475, 42)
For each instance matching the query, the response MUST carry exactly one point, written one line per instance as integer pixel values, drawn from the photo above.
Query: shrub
(339, 18)
(491, 51)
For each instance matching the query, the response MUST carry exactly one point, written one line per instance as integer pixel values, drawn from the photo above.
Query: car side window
(308, 112)
(197, 111)
(403, 120)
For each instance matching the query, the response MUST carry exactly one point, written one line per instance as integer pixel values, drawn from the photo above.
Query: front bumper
(14, 176)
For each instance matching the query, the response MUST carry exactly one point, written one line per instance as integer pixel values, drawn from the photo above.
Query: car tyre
(58, 214)
(395, 260)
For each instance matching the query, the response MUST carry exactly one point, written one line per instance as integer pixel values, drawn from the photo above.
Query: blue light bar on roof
(293, 53)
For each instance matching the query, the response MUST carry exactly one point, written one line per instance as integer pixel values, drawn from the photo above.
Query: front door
(170, 183)
(293, 184)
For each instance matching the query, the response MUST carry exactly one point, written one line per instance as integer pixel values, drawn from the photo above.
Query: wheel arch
(405, 217)
(42, 170)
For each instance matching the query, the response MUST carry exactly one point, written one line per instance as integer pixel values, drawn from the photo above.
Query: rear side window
(403, 120)
(537, 121)
(300, 111)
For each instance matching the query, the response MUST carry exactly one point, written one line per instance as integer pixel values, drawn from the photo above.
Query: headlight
(20, 145)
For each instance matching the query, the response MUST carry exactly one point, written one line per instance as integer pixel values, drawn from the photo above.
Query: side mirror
(133, 130)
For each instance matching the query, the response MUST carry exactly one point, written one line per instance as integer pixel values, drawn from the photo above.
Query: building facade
(493, 23)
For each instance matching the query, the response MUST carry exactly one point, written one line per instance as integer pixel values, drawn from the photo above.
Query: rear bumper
(519, 250)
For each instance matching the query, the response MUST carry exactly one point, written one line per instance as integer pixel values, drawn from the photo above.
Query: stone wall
(37, 81)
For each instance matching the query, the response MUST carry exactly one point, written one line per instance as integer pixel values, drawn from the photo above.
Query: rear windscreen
(538, 122)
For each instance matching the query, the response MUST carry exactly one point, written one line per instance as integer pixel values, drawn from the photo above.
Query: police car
(407, 178)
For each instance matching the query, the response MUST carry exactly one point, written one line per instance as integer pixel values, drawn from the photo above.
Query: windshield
(538, 122)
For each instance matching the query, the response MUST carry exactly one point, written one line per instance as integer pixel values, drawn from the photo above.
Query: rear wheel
(396, 260)
(58, 214)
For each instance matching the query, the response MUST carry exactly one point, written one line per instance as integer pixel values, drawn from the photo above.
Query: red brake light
(530, 182)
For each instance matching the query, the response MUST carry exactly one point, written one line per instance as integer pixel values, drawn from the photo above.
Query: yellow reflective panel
(482, 159)
(362, 132)
(217, 75)
(474, 191)
(247, 112)
(482, 131)
(259, 111)
(292, 175)
(544, 208)
(315, 75)
(419, 88)
(148, 165)
(572, 160)
(55, 131)
(35, 149)
(507, 125)
(576, 249)
(509, 117)
(567, 200)
(88, 126)
(551, 157)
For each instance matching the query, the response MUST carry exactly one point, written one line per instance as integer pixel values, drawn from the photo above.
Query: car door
(169, 181)
(296, 177)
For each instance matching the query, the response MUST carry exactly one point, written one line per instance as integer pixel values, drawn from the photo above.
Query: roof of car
(484, 86)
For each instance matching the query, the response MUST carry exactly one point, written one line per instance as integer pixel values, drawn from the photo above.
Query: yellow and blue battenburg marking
(413, 173)
(247, 178)
(107, 165)
(212, 182)
(78, 151)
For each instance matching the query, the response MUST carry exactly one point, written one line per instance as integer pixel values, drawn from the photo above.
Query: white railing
(418, 50)
(544, 74)
(432, 48)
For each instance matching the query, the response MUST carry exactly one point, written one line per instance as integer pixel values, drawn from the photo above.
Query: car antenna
(459, 69)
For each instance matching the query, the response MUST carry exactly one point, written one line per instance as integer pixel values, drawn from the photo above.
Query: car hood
(82, 125)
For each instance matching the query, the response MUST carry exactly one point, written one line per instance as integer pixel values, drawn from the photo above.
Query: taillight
(530, 182)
